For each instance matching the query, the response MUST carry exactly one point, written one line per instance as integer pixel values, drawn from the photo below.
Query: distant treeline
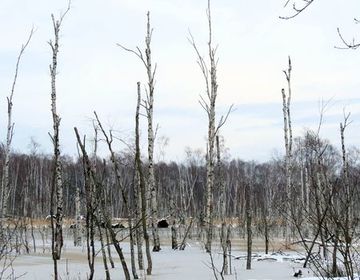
(181, 186)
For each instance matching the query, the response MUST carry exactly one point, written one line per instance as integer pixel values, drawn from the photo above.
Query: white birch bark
(77, 229)
(288, 151)
(5, 187)
(143, 192)
(149, 107)
(222, 212)
(208, 103)
(151, 138)
(57, 184)
(57, 177)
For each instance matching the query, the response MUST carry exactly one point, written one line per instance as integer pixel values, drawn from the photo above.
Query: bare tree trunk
(137, 206)
(174, 234)
(210, 76)
(91, 177)
(5, 186)
(138, 165)
(248, 225)
(318, 207)
(334, 267)
(132, 251)
(90, 218)
(100, 213)
(107, 211)
(90, 240)
(266, 235)
(348, 215)
(108, 248)
(183, 242)
(211, 138)
(103, 252)
(288, 150)
(151, 138)
(228, 244)
(57, 184)
(149, 107)
(137, 193)
(32, 234)
(109, 140)
(77, 227)
(222, 212)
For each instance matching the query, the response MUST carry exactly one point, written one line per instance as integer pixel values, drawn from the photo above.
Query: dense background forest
(304, 199)
(183, 183)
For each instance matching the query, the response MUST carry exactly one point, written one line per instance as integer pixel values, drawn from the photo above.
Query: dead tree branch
(296, 9)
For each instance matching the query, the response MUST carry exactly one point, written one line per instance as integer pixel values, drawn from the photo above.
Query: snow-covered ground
(192, 263)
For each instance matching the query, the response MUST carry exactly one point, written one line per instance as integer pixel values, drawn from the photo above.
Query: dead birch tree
(347, 224)
(100, 215)
(100, 202)
(114, 161)
(140, 194)
(208, 104)
(141, 186)
(57, 184)
(78, 226)
(248, 213)
(225, 230)
(148, 104)
(288, 149)
(5, 185)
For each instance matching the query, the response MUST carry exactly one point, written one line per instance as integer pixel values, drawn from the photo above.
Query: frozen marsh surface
(192, 263)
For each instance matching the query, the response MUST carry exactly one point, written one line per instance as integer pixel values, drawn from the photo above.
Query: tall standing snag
(141, 183)
(208, 103)
(348, 224)
(5, 188)
(288, 149)
(57, 184)
(149, 108)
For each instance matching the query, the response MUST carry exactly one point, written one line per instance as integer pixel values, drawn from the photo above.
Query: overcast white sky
(95, 74)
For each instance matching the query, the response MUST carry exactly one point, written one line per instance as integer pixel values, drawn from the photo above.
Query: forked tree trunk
(99, 214)
(109, 140)
(90, 176)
